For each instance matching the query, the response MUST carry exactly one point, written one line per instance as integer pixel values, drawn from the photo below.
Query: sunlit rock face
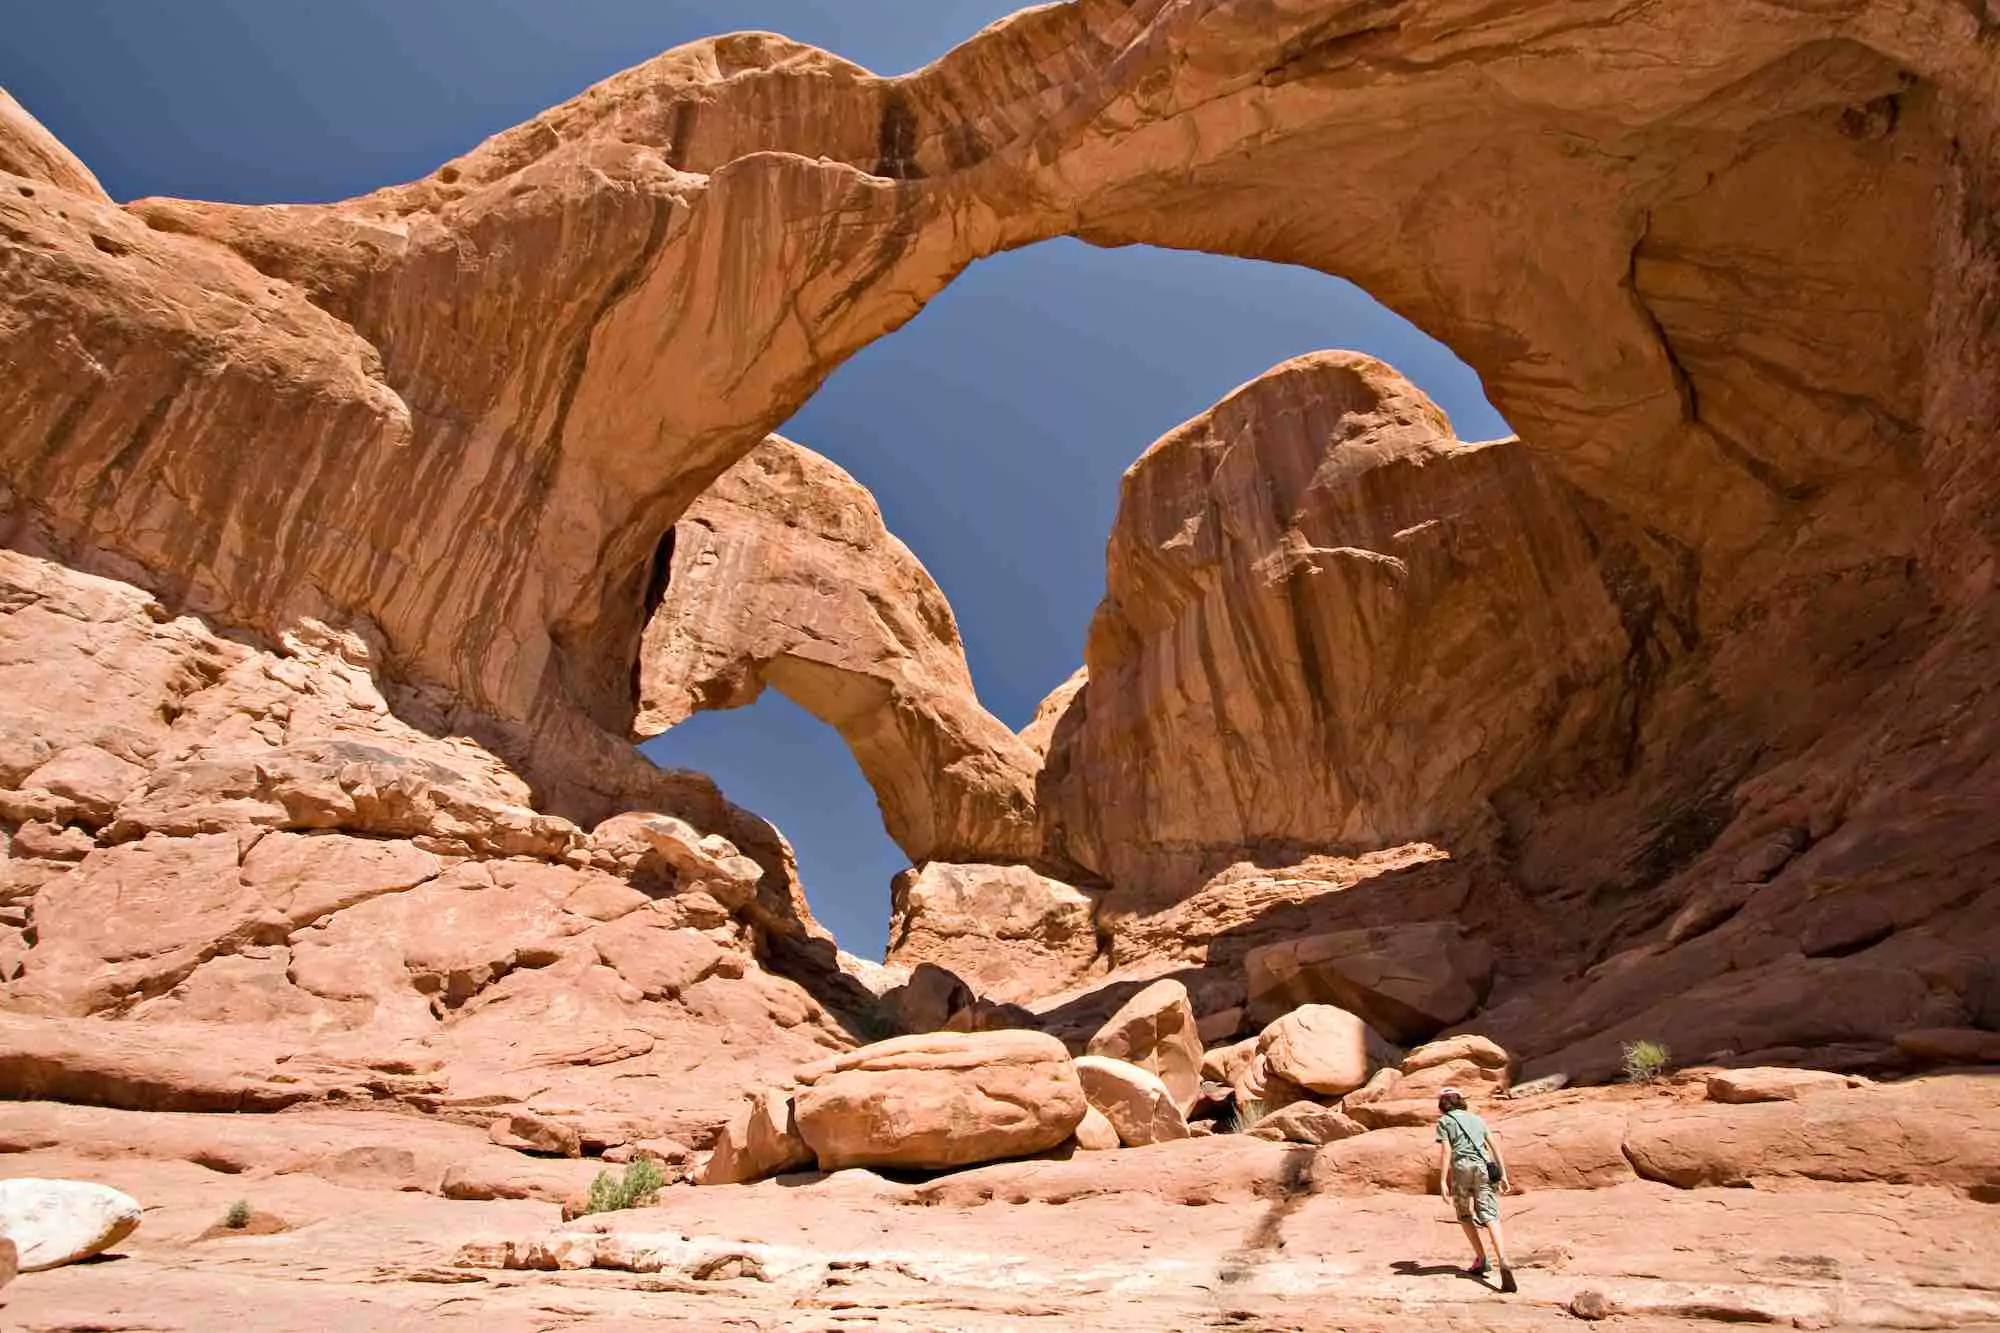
(782, 573)
(1728, 270)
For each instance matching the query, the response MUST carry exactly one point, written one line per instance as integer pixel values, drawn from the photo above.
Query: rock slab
(57, 1222)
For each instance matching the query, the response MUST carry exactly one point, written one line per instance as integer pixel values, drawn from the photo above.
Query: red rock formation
(1728, 270)
(783, 574)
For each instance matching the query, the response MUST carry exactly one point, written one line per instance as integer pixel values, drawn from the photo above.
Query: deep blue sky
(992, 429)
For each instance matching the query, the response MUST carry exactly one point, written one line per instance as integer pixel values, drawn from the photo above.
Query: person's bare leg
(1472, 1234)
(1500, 1255)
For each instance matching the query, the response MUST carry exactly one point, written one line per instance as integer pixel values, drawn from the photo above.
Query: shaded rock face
(783, 574)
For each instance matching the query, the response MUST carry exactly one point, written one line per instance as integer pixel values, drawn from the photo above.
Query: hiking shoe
(1477, 1270)
(1507, 1282)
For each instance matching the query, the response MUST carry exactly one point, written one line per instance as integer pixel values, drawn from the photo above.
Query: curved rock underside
(783, 574)
(1730, 271)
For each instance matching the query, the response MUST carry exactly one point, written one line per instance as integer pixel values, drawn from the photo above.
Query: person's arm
(1506, 1176)
(1444, 1162)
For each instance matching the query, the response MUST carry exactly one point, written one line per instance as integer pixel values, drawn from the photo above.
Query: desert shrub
(238, 1215)
(639, 1186)
(1645, 1061)
(1245, 1117)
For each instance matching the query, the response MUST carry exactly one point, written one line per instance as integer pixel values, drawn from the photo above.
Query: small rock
(525, 1131)
(1537, 1087)
(56, 1222)
(10, 1261)
(1304, 1122)
(1588, 1304)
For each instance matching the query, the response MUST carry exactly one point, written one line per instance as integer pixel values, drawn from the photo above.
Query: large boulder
(1473, 1064)
(1139, 1106)
(1156, 1030)
(56, 1222)
(1408, 982)
(761, 1139)
(1323, 1049)
(940, 1099)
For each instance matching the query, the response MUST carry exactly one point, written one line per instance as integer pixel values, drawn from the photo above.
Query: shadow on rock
(1291, 1187)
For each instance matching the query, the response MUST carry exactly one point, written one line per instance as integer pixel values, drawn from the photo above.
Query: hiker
(1469, 1168)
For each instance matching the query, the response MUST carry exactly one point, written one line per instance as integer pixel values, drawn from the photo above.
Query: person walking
(1473, 1174)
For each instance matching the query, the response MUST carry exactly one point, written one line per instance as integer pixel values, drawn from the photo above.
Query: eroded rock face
(783, 574)
(235, 878)
(1007, 932)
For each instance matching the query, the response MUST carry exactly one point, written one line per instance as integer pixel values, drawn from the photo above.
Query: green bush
(238, 1215)
(1645, 1061)
(639, 1186)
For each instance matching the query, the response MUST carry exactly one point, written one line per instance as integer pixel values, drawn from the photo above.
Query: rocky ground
(1220, 1232)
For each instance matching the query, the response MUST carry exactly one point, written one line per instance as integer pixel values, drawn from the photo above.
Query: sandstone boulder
(1323, 1049)
(1474, 1064)
(1257, 1084)
(1224, 1063)
(1156, 1030)
(1140, 1107)
(10, 1261)
(761, 1139)
(1737, 1086)
(525, 1131)
(56, 1222)
(940, 1100)
(1094, 1133)
(1407, 982)
(1305, 1122)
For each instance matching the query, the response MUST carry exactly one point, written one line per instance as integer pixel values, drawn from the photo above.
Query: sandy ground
(852, 1251)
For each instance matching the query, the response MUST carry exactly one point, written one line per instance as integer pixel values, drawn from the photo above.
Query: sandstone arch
(460, 414)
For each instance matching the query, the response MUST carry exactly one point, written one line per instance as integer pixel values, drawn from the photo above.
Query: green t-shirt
(1465, 1133)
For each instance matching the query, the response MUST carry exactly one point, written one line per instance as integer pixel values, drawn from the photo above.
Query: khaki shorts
(1472, 1193)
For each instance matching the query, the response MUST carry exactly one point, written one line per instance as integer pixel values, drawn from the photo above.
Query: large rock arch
(1730, 270)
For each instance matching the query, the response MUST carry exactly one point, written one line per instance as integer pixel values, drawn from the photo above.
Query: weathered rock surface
(1094, 1133)
(782, 573)
(56, 1222)
(236, 878)
(1155, 1030)
(1739, 1086)
(1322, 1049)
(1139, 1106)
(1009, 933)
(1306, 1122)
(761, 1139)
(939, 1100)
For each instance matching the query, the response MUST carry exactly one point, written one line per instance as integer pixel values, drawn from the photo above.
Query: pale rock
(56, 1222)
(1156, 1030)
(1738, 1086)
(1323, 1049)
(940, 1100)
(1094, 1133)
(1140, 1107)
(1007, 932)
